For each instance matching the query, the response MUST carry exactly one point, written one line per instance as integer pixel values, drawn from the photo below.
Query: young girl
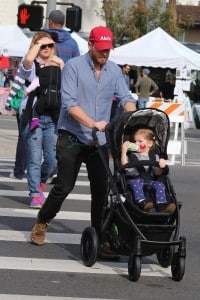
(145, 141)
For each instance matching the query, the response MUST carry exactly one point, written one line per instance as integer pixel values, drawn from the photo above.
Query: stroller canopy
(124, 126)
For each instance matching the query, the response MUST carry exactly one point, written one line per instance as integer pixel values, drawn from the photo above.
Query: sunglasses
(47, 46)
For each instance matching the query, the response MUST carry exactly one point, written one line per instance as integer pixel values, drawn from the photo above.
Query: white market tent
(156, 49)
(13, 41)
(82, 43)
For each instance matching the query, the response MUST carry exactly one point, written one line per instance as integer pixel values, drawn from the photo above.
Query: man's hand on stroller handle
(100, 125)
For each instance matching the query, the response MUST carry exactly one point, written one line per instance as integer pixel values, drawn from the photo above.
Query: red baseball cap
(102, 38)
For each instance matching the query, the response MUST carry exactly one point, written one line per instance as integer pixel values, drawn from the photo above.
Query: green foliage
(130, 21)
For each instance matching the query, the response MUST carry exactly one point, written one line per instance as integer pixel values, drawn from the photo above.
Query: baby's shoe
(145, 205)
(166, 208)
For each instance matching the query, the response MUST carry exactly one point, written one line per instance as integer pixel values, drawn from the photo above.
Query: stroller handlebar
(94, 135)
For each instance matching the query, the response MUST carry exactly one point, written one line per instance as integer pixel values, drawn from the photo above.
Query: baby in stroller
(139, 178)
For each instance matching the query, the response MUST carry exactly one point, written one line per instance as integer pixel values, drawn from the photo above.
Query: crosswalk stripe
(72, 196)
(10, 180)
(8, 171)
(29, 297)
(10, 162)
(72, 266)
(31, 213)
(55, 238)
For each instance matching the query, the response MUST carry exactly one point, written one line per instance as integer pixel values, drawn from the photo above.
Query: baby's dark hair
(147, 134)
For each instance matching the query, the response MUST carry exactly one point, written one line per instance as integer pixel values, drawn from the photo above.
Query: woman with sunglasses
(41, 84)
(41, 142)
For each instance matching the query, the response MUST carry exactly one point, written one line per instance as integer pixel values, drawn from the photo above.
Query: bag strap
(27, 113)
(37, 67)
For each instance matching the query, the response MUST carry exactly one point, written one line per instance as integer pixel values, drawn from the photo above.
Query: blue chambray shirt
(80, 87)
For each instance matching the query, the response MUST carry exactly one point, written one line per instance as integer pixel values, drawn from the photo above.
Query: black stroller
(129, 230)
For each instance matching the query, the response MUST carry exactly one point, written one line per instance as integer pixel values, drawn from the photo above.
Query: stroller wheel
(134, 267)
(89, 246)
(178, 267)
(165, 256)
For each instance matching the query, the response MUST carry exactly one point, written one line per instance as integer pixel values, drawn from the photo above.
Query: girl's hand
(125, 146)
(162, 163)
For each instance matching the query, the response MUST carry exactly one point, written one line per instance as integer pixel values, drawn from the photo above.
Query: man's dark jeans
(70, 155)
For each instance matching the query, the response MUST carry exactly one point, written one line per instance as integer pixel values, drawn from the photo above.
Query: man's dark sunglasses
(47, 46)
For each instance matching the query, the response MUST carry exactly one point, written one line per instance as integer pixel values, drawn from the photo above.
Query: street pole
(51, 5)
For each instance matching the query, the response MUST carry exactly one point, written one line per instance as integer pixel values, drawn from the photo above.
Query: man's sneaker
(38, 233)
(37, 202)
(146, 205)
(107, 253)
(166, 207)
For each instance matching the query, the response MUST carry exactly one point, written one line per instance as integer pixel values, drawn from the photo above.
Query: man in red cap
(88, 85)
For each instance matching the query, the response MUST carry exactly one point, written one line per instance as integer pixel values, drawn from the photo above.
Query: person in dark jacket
(66, 46)
(167, 89)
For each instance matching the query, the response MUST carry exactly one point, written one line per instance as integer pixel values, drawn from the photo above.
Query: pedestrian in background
(145, 87)
(88, 85)
(117, 108)
(126, 70)
(167, 89)
(66, 46)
